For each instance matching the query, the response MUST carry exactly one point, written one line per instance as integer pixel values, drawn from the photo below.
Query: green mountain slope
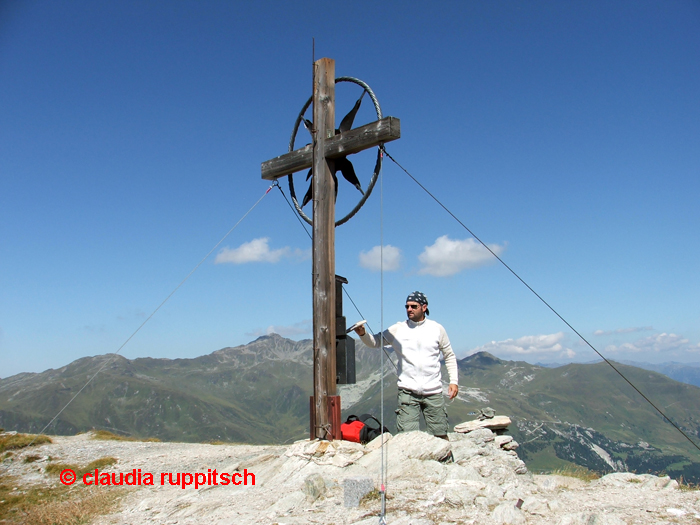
(254, 393)
(259, 393)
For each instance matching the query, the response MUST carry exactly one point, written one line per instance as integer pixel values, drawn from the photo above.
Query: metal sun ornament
(348, 118)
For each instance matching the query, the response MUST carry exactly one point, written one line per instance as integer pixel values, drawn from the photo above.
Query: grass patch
(106, 435)
(545, 461)
(687, 487)
(16, 441)
(218, 442)
(58, 505)
(542, 462)
(57, 468)
(31, 458)
(577, 472)
(370, 498)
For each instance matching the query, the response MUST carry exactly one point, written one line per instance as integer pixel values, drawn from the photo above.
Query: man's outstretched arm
(367, 338)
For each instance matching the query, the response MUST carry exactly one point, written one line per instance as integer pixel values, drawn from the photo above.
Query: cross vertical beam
(323, 245)
(327, 146)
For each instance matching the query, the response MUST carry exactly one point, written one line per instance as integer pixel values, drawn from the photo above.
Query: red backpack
(361, 430)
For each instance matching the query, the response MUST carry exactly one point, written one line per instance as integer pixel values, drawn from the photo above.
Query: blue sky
(564, 134)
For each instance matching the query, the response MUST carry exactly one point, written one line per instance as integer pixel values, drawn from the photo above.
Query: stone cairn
(487, 418)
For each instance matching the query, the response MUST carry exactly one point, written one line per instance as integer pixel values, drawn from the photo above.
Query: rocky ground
(470, 479)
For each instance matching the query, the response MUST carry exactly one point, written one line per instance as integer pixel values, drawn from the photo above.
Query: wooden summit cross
(320, 156)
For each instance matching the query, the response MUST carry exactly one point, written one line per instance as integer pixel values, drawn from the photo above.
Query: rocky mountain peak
(271, 347)
(482, 359)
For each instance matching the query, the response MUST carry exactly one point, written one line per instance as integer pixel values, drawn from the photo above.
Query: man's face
(415, 311)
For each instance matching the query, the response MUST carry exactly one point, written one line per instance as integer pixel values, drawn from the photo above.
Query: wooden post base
(333, 418)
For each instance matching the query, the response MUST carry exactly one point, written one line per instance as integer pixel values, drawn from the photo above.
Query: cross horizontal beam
(352, 141)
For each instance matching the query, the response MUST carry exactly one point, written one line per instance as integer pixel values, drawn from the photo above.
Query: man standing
(418, 342)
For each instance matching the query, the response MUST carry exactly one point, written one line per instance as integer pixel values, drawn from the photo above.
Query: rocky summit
(468, 479)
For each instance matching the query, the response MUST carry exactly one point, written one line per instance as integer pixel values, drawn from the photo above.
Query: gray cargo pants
(410, 406)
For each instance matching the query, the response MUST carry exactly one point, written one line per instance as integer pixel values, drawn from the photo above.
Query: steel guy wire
(386, 353)
(114, 356)
(384, 444)
(542, 300)
(293, 209)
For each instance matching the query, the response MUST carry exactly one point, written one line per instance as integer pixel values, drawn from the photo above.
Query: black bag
(372, 428)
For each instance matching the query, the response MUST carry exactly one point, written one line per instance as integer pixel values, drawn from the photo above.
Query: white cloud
(301, 328)
(667, 343)
(546, 345)
(257, 250)
(302, 255)
(624, 330)
(372, 258)
(447, 257)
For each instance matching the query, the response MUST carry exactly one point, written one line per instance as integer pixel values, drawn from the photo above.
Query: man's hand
(452, 391)
(360, 330)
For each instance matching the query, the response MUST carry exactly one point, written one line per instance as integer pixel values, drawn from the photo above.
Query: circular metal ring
(377, 166)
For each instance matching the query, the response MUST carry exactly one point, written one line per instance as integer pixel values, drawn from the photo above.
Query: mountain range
(573, 415)
(683, 372)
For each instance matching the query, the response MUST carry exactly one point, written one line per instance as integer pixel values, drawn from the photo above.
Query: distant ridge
(683, 372)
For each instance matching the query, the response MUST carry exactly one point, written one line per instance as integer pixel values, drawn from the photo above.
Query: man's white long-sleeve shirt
(418, 346)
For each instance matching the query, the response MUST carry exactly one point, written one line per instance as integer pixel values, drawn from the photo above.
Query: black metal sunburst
(342, 164)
